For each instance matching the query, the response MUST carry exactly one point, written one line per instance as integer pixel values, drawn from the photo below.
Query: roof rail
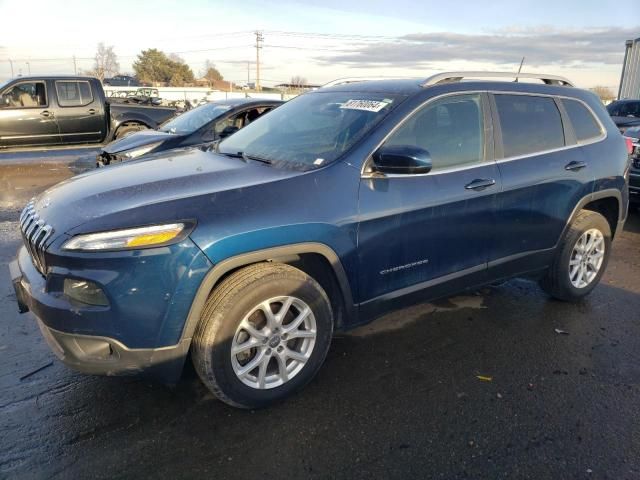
(343, 81)
(449, 77)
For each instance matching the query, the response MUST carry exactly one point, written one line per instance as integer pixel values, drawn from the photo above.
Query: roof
(399, 87)
(55, 77)
(244, 101)
(405, 86)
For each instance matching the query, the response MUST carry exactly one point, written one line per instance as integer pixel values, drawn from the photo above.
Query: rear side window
(585, 126)
(73, 93)
(529, 124)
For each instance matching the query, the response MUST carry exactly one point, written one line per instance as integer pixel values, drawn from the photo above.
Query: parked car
(121, 81)
(625, 113)
(633, 136)
(63, 111)
(203, 124)
(340, 205)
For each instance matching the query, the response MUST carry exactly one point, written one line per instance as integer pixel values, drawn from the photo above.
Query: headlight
(138, 152)
(154, 235)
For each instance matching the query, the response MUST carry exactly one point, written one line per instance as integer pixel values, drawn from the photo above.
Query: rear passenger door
(420, 231)
(81, 116)
(544, 175)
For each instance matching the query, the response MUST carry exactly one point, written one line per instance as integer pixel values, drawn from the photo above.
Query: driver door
(26, 118)
(433, 230)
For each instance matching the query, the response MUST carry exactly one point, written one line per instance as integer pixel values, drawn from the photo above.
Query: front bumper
(106, 356)
(138, 333)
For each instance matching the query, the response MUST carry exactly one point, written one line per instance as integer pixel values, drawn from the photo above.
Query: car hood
(138, 139)
(177, 185)
(626, 121)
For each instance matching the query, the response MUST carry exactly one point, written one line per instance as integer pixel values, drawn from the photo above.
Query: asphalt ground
(480, 385)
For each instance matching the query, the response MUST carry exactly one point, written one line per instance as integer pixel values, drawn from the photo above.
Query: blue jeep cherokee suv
(340, 205)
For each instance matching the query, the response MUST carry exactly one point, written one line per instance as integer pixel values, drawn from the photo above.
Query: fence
(196, 94)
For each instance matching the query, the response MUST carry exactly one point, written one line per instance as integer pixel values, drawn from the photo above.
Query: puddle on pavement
(9, 231)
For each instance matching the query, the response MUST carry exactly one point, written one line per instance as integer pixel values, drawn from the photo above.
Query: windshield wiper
(239, 155)
(256, 159)
(246, 157)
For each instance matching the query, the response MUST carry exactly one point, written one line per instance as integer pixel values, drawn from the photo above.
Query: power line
(309, 48)
(343, 36)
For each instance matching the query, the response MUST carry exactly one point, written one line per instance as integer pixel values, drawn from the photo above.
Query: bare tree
(605, 93)
(106, 62)
(210, 72)
(298, 81)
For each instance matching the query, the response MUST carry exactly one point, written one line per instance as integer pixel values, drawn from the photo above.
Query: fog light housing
(85, 291)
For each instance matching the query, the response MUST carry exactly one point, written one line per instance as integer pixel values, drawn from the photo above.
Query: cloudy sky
(328, 39)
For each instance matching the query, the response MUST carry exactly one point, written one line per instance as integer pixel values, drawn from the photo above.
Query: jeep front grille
(35, 234)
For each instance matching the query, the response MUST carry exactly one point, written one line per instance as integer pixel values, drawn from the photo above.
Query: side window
(25, 95)
(529, 124)
(73, 94)
(450, 129)
(232, 121)
(585, 126)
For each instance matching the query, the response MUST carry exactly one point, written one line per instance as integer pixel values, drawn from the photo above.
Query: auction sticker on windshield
(367, 105)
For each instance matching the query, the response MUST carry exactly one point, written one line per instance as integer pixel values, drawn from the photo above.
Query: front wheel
(264, 333)
(581, 258)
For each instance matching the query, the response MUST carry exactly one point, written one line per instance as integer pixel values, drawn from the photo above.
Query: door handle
(575, 166)
(480, 184)
(46, 113)
(92, 111)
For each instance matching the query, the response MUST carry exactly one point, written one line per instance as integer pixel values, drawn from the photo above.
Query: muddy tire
(263, 335)
(129, 129)
(581, 258)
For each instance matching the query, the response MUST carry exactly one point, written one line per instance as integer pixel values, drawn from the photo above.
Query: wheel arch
(127, 119)
(606, 202)
(316, 259)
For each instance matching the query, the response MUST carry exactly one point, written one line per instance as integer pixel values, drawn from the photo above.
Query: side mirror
(208, 135)
(228, 131)
(402, 160)
(6, 101)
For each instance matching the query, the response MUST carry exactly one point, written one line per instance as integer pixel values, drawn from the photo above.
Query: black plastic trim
(245, 259)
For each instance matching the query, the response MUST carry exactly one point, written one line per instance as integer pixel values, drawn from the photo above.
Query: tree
(211, 73)
(154, 66)
(106, 62)
(298, 81)
(605, 93)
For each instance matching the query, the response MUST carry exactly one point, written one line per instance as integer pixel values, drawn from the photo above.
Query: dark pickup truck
(44, 111)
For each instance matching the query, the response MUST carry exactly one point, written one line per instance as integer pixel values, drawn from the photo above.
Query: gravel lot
(400, 398)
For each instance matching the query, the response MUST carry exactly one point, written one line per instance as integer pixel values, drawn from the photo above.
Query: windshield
(311, 130)
(192, 120)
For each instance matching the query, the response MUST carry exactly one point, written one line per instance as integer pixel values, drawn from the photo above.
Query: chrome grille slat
(35, 234)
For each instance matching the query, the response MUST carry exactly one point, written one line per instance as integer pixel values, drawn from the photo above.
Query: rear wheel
(581, 258)
(263, 334)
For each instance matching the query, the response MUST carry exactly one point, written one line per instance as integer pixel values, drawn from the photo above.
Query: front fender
(267, 254)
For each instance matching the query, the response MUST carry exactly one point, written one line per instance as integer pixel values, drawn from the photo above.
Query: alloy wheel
(273, 342)
(586, 258)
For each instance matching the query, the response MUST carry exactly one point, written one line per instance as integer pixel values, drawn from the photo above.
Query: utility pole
(75, 67)
(248, 73)
(259, 39)
(11, 63)
(519, 68)
(28, 68)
